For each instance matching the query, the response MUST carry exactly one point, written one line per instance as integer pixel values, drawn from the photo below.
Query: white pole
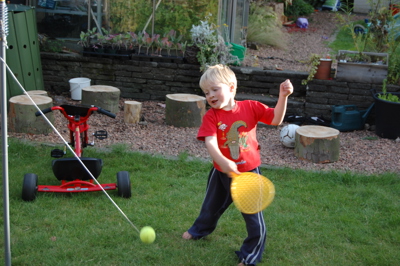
(4, 130)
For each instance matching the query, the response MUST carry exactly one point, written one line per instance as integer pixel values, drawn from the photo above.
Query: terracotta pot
(324, 69)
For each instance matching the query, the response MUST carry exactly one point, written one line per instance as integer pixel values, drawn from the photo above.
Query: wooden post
(317, 144)
(184, 110)
(22, 118)
(106, 97)
(132, 112)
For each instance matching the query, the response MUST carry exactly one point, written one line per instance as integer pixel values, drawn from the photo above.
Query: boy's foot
(187, 236)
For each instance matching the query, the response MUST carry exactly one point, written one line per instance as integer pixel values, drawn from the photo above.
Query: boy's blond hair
(218, 73)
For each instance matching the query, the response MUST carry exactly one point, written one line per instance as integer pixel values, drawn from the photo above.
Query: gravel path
(300, 44)
(360, 151)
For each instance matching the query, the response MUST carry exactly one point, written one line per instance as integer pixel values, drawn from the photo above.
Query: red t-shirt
(236, 132)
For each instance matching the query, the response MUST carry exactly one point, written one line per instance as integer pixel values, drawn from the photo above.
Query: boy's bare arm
(285, 89)
(227, 166)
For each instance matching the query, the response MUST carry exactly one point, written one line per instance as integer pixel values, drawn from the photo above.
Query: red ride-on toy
(73, 176)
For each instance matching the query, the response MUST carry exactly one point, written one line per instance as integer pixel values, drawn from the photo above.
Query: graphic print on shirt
(236, 139)
(222, 127)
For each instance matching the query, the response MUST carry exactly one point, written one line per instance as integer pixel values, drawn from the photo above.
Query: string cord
(69, 147)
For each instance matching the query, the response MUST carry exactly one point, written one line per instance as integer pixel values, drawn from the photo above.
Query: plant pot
(110, 51)
(324, 69)
(125, 51)
(387, 117)
(362, 72)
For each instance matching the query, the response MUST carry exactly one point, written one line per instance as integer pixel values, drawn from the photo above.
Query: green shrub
(49, 45)
(264, 27)
(179, 15)
(298, 8)
(212, 47)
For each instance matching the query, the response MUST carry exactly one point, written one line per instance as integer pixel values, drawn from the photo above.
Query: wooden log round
(37, 92)
(22, 118)
(132, 112)
(184, 110)
(317, 144)
(106, 97)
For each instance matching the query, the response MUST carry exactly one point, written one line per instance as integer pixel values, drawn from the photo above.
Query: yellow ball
(147, 235)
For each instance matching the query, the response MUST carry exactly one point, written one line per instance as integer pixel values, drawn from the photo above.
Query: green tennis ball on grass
(147, 235)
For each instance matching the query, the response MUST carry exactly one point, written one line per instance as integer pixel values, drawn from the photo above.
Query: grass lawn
(316, 218)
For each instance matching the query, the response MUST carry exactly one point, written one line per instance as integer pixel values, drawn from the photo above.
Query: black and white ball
(287, 135)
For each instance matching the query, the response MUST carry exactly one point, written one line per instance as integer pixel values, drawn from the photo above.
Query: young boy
(229, 132)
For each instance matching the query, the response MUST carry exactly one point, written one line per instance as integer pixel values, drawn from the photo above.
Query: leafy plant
(380, 35)
(140, 40)
(374, 35)
(313, 63)
(179, 15)
(360, 41)
(182, 47)
(85, 37)
(387, 96)
(264, 27)
(102, 38)
(116, 41)
(213, 48)
(126, 40)
(47, 44)
(297, 8)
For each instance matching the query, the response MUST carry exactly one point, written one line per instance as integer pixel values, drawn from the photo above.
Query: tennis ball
(147, 235)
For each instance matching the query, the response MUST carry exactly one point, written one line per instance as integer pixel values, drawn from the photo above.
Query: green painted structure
(22, 54)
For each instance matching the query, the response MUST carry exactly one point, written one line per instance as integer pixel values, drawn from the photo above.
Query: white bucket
(76, 85)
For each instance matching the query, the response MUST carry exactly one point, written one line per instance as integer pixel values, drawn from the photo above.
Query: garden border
(153, 80)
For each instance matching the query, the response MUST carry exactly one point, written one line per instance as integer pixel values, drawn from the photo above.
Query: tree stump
(184, 110)
(37, 92)
(106, 97)
(22, 118)
(132, 112)
(317, 144)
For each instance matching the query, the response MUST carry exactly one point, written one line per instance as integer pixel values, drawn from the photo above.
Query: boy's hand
(286, 88)
(229, 167)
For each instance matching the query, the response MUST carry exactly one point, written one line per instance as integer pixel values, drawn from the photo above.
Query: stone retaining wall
(154, 78)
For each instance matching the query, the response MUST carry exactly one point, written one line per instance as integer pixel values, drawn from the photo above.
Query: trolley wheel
(124, 184)
(359, 29)
(29, 187)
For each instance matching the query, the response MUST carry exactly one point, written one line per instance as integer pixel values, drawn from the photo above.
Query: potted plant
(365, 67)
(387, 108)
(369, 63)
(212, 48)
(319, 68)
(181, 46)
(140, 41)
(113, 43)
(133, 41)
(101, 41)
(85, 39)
(125, 41)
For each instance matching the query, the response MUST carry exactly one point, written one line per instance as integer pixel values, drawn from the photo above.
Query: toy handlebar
(105, 112)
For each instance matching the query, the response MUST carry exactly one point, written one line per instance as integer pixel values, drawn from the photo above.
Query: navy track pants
(216, 201)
